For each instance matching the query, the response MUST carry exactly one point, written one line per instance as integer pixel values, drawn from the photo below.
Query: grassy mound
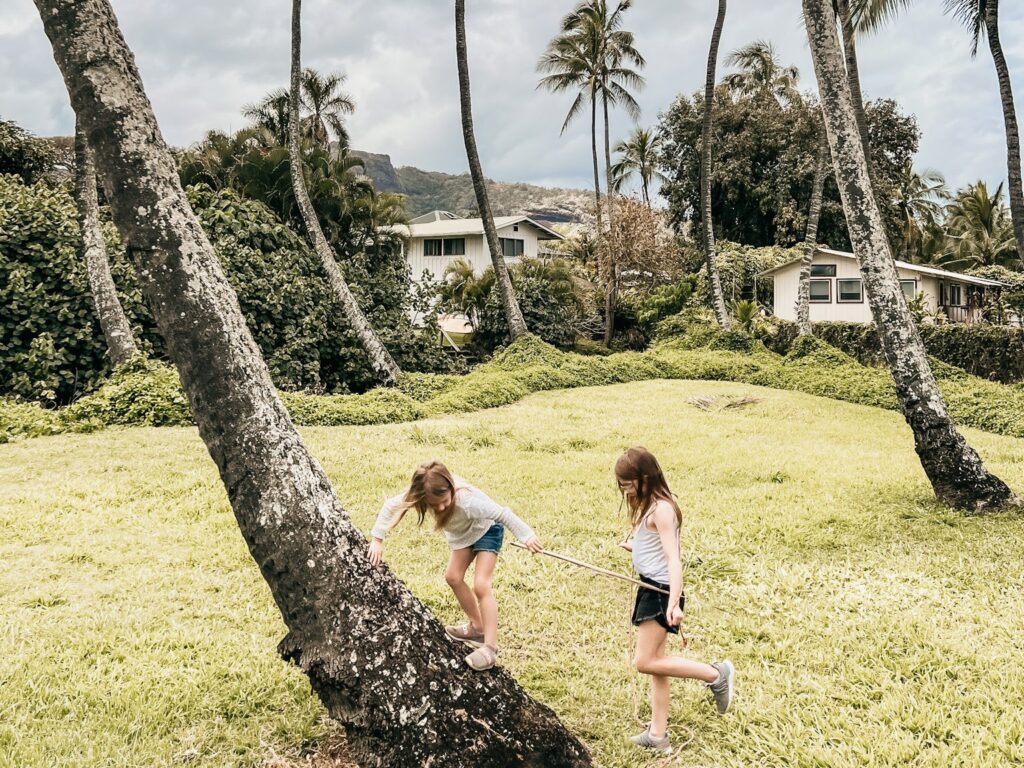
(147, 393)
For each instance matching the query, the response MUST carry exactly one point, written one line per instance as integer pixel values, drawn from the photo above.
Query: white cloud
(201, 60)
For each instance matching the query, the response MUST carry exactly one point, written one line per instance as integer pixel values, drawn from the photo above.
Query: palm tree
(714, 281)
(571, 63)
(271, 114)
(919, 199)
(803, 296)
(847, 18)
(955, 470)
(383, 364)
(760, 75)
(513, 315)
(113, 322)
(325, 104)
(639, 155)
(979, 229)
(981, 17)
(606, 59)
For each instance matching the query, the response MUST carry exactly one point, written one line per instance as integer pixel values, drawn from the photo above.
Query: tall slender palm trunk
(955, 470)
(853, 77)
(378, 660)
(1015, 189)
(611, 293)
(384, 366)
(113, 322)
(714, 281)
(513, 315)
(803, 299)
(597, 166)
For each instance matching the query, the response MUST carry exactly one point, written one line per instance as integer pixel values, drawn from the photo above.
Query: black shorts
(654, 605)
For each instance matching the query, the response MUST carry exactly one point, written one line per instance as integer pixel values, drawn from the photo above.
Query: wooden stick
(595, 569)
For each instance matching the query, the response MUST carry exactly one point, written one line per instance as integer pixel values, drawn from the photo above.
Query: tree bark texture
(803, 297)
(384, 366)
(375, 656)
(853, 77)
(593, 147)
(513, 315)
(611, 291)
(714, 281)
(1015, 189)
(113, 322)
(953, 467)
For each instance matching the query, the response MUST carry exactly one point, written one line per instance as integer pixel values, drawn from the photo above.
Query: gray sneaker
(722, 687)
(645, 740)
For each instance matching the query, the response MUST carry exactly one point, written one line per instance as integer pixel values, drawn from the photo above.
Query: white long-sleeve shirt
(475, 512)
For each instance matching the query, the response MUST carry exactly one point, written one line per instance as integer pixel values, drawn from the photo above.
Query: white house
(837, 292)
(438, 238)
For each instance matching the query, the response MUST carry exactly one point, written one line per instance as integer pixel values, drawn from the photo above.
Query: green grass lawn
(869, 627)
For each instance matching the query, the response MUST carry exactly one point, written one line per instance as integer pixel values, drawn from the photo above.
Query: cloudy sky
(201, 60)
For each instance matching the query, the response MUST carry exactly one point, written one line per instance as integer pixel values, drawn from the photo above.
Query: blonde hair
(430, 481)
(639, 465)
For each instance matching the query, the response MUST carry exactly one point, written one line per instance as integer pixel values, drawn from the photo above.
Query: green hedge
(147, 393)
(994, 352)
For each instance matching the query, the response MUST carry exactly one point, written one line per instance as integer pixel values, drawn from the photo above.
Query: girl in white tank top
(656, 519)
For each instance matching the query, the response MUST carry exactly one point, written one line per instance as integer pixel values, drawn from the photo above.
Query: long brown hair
(430, 481)
(639, 465)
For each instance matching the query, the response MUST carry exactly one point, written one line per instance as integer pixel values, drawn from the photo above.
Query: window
(431, 247)
(909, 289)
(455, 246)
(510, 247)
(823, 270)
(821, 290)
(515, 227)
(954, 296)
(849, 290)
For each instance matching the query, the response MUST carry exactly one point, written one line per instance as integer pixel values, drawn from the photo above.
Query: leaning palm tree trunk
(380, 663)
(955, 470)
(611, 294)
(383, 364)
(803, 299)
(1015, 189)
(113, 322)
(714, 281)
(513, 315)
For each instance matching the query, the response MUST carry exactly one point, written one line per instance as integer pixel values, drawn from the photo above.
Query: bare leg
(485, 562)
(455, 575)
(651, 660)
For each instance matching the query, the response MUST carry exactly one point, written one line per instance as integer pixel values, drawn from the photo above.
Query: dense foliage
(24, 155)
(51, 345)
(695, 350)
(764, 167)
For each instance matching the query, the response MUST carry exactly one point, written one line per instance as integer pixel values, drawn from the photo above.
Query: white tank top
(648, 555)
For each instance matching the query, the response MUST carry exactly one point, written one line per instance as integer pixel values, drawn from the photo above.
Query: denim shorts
(491, 540)
(654, 605)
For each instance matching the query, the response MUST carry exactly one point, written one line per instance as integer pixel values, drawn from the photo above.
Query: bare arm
(668, 530)
(386, 520)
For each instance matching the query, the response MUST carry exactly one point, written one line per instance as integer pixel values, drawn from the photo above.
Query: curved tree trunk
(611, 291)
(383, 364)
(803, 296)
(113, 322)
(953, 467)
(1015, 189)
(378, 660)
(714, 281)
(513, 315)
(853, 77)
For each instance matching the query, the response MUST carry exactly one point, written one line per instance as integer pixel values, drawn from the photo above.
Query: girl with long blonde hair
(474, 527)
